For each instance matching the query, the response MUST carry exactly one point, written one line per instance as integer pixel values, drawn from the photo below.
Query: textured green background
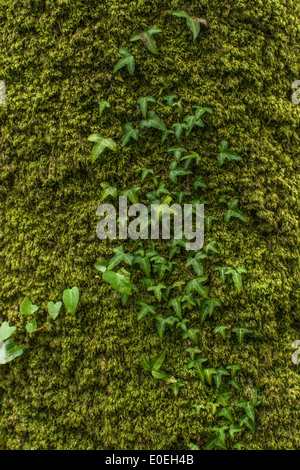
(81, 386)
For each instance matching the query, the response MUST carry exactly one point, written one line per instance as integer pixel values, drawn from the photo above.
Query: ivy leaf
(209, 220)
(145, 310)
(222, 330)
(146, 172)
(226, 153)
(248, 407)
(200, 111)
(174, 174)
(6, 331)
(208, 374)
(192, 22)
(233, 211)
(181, 14)
(126, 61)
(208, 307)
(196, 263)
(236, 275)
(177, 151)
(211, 246)
(233, 369)
(54, 309)
(175, 387)
(194, 27)
(158, 361)
(169, 99)
(192, 334)
(32, 326)
(108, 191)
(101, 145)
(162, 323)
(175, 302)
(9, 351)
(103, 105)
(196, 285)
(132, 194)
(219, 375)
(227, 413)
(147, 38)
(130, 133)
(157, 290)
(179, 127)
(71, 299)
(118, 281)
(190, 157)
(120, 256)
(143, 104)
(101, 266)
(241, 332)
(144, 264)
(153, 121)
(27, 307)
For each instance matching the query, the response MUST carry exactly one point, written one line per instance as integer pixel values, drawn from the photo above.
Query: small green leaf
(145, 310)
(32, 326)
(6, 331)
(118, 281)
(71, 299)
(126, 61)
(103, 105)
(101, 144)
(54, 309)
(226, 153)
(27, 307)
(130, 133)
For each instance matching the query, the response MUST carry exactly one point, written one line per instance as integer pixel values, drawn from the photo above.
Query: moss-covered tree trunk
(80, 385)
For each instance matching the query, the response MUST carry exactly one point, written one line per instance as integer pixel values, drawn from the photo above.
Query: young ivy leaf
(208, 307)
(145, 310)
(153, 121)
(126, 61)
(101, 143)
(169, 99)
(233, 211)
(200, 111)
(143, 104)
(196, 285)
(179, 127)
(157, 290)
(27, 307)
(226, 412)
(177, 151)
(146, 172)
(120, 256)
(226, 153)
(71, 299)
(144, 263)
(103, 104)
(240, 332)
(118, 281)
(222, 330)
(6, 331)
(192, 22)
(147, 38)
(54, 309)
(132, 194)
(108, 191)
(32, 326)
(9, 351)
(130, 133)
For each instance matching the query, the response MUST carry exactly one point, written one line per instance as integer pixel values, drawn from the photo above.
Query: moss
(81, 385)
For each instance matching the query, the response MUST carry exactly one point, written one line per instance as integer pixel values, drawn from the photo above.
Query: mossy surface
(80, 385)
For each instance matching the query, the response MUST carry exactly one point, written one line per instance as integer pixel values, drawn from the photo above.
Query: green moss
(81, 386)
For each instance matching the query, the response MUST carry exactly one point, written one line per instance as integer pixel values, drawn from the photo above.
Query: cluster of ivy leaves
(152, 270)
